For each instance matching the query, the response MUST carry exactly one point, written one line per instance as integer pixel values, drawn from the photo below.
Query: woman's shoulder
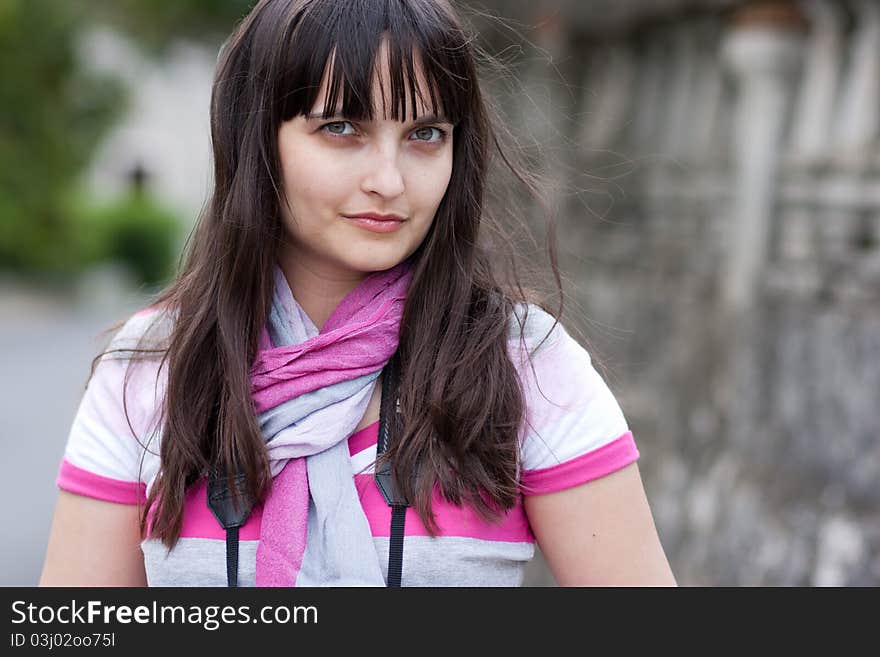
(533, 331)
(127, 386)
(556, 371)
(542, 348)
(575, 430)
(112, 446)
(148, 328)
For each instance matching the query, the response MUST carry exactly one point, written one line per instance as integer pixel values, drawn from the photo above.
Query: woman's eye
(429, 134)
(338, 128)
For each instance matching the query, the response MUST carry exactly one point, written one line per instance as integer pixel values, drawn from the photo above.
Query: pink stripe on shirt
(453, 520)
(602, 461)
(82, 482)
(361, 440)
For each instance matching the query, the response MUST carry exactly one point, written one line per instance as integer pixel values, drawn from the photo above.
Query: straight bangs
(343, 39)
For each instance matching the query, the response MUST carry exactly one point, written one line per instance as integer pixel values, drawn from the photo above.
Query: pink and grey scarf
(310, 389)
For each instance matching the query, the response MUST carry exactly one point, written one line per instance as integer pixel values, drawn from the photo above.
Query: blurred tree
(133, 230)
(155, 23)
(52, 114)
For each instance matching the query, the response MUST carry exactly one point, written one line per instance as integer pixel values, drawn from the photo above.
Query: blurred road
(47, 343)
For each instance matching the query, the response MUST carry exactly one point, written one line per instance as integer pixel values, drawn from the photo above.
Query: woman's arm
(93, 543)
(600, 533)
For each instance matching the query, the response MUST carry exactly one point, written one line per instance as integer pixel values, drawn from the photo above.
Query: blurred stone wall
(720, 208)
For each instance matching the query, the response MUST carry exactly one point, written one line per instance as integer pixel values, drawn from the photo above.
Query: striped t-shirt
(575, 432)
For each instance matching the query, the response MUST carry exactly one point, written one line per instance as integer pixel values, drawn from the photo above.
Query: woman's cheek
(319, 180)
(334, 174)
(434, 186)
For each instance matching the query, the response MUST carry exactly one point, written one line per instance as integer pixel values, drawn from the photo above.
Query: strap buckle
(222, 503)
(388, 423)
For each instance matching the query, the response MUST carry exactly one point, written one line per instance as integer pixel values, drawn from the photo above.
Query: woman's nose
(383, 175)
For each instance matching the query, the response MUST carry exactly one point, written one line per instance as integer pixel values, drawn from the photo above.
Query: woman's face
(336, 169)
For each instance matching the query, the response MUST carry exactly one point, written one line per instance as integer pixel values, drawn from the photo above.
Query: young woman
(346, 233)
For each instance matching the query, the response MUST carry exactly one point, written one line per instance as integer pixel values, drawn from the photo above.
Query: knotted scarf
(310, 390)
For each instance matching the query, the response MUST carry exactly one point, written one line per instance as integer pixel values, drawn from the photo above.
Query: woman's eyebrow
(432, 118)
(337, 115)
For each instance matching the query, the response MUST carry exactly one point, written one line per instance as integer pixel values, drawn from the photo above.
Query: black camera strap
(232, 516)
(389, 428)
(229, 515)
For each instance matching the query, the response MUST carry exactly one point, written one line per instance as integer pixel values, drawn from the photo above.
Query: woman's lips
(376, 225)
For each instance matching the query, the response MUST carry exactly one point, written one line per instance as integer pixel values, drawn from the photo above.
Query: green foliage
(135, 231)
(52, 114)
(154, 23)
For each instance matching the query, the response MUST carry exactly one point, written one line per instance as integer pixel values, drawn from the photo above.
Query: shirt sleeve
(575, 431)
(105, 447)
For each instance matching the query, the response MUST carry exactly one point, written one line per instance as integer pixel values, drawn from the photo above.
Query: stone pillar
(809, 150)
(762, 50)
(857, 126)
(814, 109)
(855, 134)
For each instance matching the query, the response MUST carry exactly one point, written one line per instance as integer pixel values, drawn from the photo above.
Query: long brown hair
(461, 401)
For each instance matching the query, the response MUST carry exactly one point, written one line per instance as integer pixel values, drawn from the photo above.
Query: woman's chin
(376, 261)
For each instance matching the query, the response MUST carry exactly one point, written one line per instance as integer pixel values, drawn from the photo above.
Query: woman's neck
(318, 289)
